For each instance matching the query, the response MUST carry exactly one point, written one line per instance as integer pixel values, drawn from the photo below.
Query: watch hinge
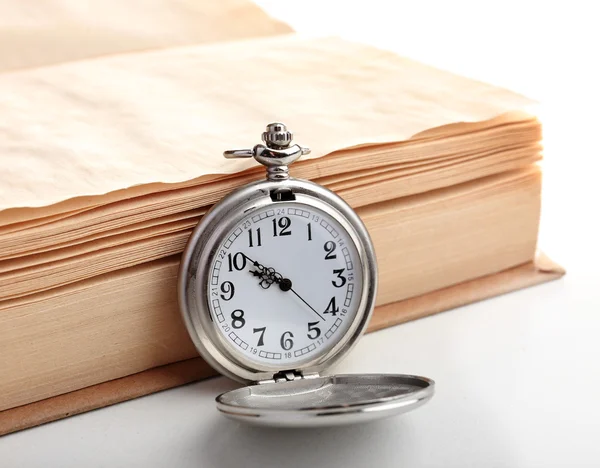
(289, 376)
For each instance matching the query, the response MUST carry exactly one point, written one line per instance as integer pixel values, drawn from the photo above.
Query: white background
(517, 377)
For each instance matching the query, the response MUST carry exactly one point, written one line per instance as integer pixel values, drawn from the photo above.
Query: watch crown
(277, 136)
(276, 154)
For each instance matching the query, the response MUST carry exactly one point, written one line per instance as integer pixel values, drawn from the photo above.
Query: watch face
(284, 285)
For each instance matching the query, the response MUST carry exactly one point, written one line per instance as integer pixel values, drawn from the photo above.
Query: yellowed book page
(34, 33)
(89, 128)
(29, 274)
(479, 140)
(89, 228)
(458, 160)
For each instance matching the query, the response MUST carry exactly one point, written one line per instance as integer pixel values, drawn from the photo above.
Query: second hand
(311, 307)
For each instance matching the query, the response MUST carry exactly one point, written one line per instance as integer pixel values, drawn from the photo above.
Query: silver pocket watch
(276, 285)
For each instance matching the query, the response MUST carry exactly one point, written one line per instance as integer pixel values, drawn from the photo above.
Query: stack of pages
(108, 163)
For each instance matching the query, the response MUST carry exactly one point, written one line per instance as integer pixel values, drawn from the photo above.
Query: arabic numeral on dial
(261, 338)
(286, 341)
(228, 290)
(237, 261)
(251, 238)
(237, 319)
(340, 277)
(313, 331)
(329, 247)
(332, 308)
(284, 224)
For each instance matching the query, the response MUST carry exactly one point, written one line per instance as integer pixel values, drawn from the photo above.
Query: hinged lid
(326, 401)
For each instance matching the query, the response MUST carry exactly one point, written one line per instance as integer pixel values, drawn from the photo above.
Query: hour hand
(268, 276)
(254, 262)
(258, 267)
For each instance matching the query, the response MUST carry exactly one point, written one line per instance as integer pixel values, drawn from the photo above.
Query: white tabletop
(517, 376)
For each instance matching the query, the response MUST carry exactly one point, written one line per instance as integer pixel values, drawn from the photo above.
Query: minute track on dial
(269, 276)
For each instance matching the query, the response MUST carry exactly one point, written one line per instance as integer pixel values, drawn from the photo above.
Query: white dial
(284, 285)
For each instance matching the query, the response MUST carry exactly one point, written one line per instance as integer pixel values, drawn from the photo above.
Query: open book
(109, 162)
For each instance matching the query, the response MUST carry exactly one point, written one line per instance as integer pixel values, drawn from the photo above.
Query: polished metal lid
(326, 401)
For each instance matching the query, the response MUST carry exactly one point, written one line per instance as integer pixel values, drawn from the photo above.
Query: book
(108, 163)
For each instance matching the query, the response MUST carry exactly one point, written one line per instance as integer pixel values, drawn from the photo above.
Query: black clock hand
(310, 307)
(285, 284)
(268, 276)
(255, 263)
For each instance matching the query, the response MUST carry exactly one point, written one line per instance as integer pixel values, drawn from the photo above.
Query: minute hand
(311, 307)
